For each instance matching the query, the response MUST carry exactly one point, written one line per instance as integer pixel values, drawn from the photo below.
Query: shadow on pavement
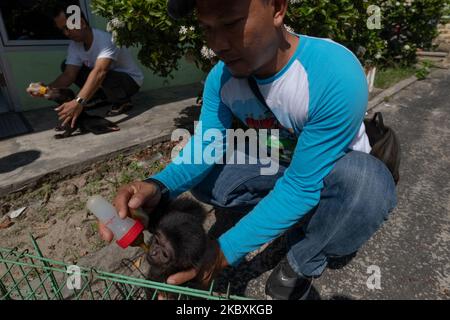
(238, 278)
(187, 117)
(17, 160)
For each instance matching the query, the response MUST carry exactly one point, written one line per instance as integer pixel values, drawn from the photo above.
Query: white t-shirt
(103, 47)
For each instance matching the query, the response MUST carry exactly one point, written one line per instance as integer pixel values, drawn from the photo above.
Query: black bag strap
(378, 119)
(255, 89)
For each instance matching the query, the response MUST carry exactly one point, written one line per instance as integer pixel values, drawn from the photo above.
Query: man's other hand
(69, 112)
(213, 263)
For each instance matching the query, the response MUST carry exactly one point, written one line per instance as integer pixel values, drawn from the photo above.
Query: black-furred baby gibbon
(179, 239)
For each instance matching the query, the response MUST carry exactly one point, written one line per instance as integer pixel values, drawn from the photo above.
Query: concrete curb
(389, 92)
(80, 167)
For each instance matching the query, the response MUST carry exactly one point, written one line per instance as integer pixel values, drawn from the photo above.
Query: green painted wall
(32, 65)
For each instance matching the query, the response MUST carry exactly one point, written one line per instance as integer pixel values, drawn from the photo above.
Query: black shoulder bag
(385, 144)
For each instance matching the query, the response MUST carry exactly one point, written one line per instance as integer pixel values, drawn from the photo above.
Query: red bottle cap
(131, 235)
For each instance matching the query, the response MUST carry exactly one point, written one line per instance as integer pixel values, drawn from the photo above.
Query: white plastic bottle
(126, 231)
(37, 89)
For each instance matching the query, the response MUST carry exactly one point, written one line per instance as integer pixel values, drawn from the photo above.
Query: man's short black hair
(180, 8)
(58, 9)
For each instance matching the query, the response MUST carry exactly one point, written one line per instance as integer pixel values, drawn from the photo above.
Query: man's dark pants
(117, 88)
(358, 195)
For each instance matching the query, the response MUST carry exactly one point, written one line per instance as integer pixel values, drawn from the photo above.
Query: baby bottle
(127, 232)
(37, 89)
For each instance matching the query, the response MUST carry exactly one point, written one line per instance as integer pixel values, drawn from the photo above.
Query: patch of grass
(133, 172)
(138, 171)
(93, 187)
(103, 168)
(94, 227)
(125, 178)
(120, 157)
(41, 192)
(157, 167)
(134, 166)
(389, 76)
(424, 70)
(95, 176)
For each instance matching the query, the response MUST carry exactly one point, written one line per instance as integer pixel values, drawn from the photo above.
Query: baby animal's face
(161, 251)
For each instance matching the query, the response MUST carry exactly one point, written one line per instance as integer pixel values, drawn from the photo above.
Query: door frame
(10, 91)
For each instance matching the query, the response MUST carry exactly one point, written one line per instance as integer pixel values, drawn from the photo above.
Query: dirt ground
(56, 211)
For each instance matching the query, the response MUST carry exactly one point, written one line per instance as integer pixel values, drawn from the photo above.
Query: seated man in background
(98, 67)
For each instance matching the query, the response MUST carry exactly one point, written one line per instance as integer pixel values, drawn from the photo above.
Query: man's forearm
(63, 81)
(93, 83)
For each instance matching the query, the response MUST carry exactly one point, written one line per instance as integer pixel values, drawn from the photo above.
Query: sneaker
(119, 109)
(285, 284)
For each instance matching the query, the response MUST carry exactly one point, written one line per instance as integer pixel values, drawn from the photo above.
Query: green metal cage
(27, 276)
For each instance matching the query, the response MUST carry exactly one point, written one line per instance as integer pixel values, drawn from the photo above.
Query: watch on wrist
(81, 101)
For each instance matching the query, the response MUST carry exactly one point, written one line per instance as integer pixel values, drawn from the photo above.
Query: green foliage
(424, 70)
(405, 26)
(410, 25)
(343, 21)
(93, 187)
(446, 13)
(145, 24)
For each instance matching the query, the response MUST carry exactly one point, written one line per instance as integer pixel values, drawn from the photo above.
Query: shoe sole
(274, 296)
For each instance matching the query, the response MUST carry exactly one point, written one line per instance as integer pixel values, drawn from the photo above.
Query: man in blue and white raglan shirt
(315, 92)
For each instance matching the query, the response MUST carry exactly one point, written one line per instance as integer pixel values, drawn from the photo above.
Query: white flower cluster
(184, 30)
(288, 28)
(406, 3)
(207, 53)
(114, 36)
(114, 24)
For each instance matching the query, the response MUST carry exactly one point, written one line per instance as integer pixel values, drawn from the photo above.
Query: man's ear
(280, 9)
(83, 23)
